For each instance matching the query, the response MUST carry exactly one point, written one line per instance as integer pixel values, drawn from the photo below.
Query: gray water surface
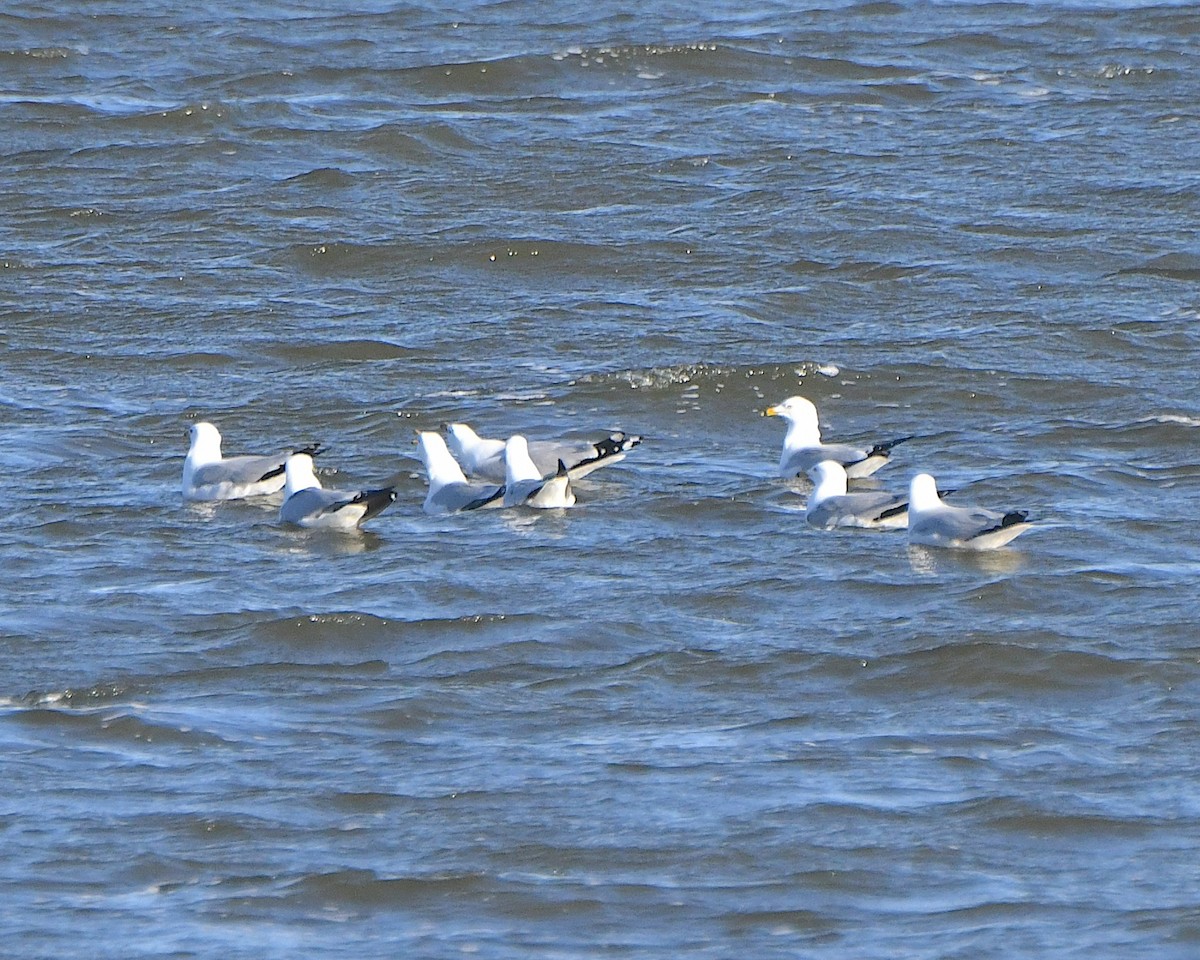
(673, 721)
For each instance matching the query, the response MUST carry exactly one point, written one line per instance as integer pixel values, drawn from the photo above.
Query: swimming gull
(937, 524)
(484, 457)
(524, 484)
(208, 476)
(308, 504)
(803, 449)
(449, 490)
(831, 506)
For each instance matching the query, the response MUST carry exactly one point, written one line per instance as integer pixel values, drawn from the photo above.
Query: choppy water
(672, 721)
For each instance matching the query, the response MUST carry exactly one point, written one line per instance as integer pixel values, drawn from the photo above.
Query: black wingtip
(483, 501)
(312, 450)
(1010, 519)
(276, 472)
(614, 443)
(884, 449)
(375, 500)
(895, 511)
(562, 469)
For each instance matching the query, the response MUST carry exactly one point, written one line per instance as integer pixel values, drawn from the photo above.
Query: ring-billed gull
(803, 449)
(937, 524)
(449, 490)
(209, 476)
(308, 504)
(524, 484)
(829, 505)
(484, 457)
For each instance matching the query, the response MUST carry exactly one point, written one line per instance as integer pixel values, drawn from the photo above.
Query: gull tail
(554, 492)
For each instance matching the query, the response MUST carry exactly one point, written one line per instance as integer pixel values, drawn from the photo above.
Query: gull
(803, 449)
(937, 524)
(208, 476)
(485, 457)
(831, 506)
(523, 482)
(449, 490)
(308, 504)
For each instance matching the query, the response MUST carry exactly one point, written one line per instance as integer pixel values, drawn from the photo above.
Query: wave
(77, 698)
(370, 889)
(350, 629)
(339, 351)
(700, 375)
(324, 178)
(1001, 667)
(561, 262)
(107, 717)
(40, 53)
(1171, 266)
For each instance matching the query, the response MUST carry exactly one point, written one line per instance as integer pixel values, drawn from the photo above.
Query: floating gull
(937, 524)
(485, 458)
(803, 449)
(449, 490)
(523, 482)
(307, 504)
(831, 506)
(207, 476)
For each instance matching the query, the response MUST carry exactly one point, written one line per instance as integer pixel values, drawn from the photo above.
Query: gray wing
(240, 470)
(580, 456)
(547, 453)
(310, 503)
(869, 507)
(957, 523)
(802, 460)
(874, 504)
(455, 497)
(522, 491)
(491, 468)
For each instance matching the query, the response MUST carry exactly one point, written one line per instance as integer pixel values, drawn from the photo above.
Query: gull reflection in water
(551, 524)
(934, 561)
(329, 543)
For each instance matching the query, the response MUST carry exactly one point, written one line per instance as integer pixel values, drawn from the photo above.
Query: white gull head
(300, 475)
